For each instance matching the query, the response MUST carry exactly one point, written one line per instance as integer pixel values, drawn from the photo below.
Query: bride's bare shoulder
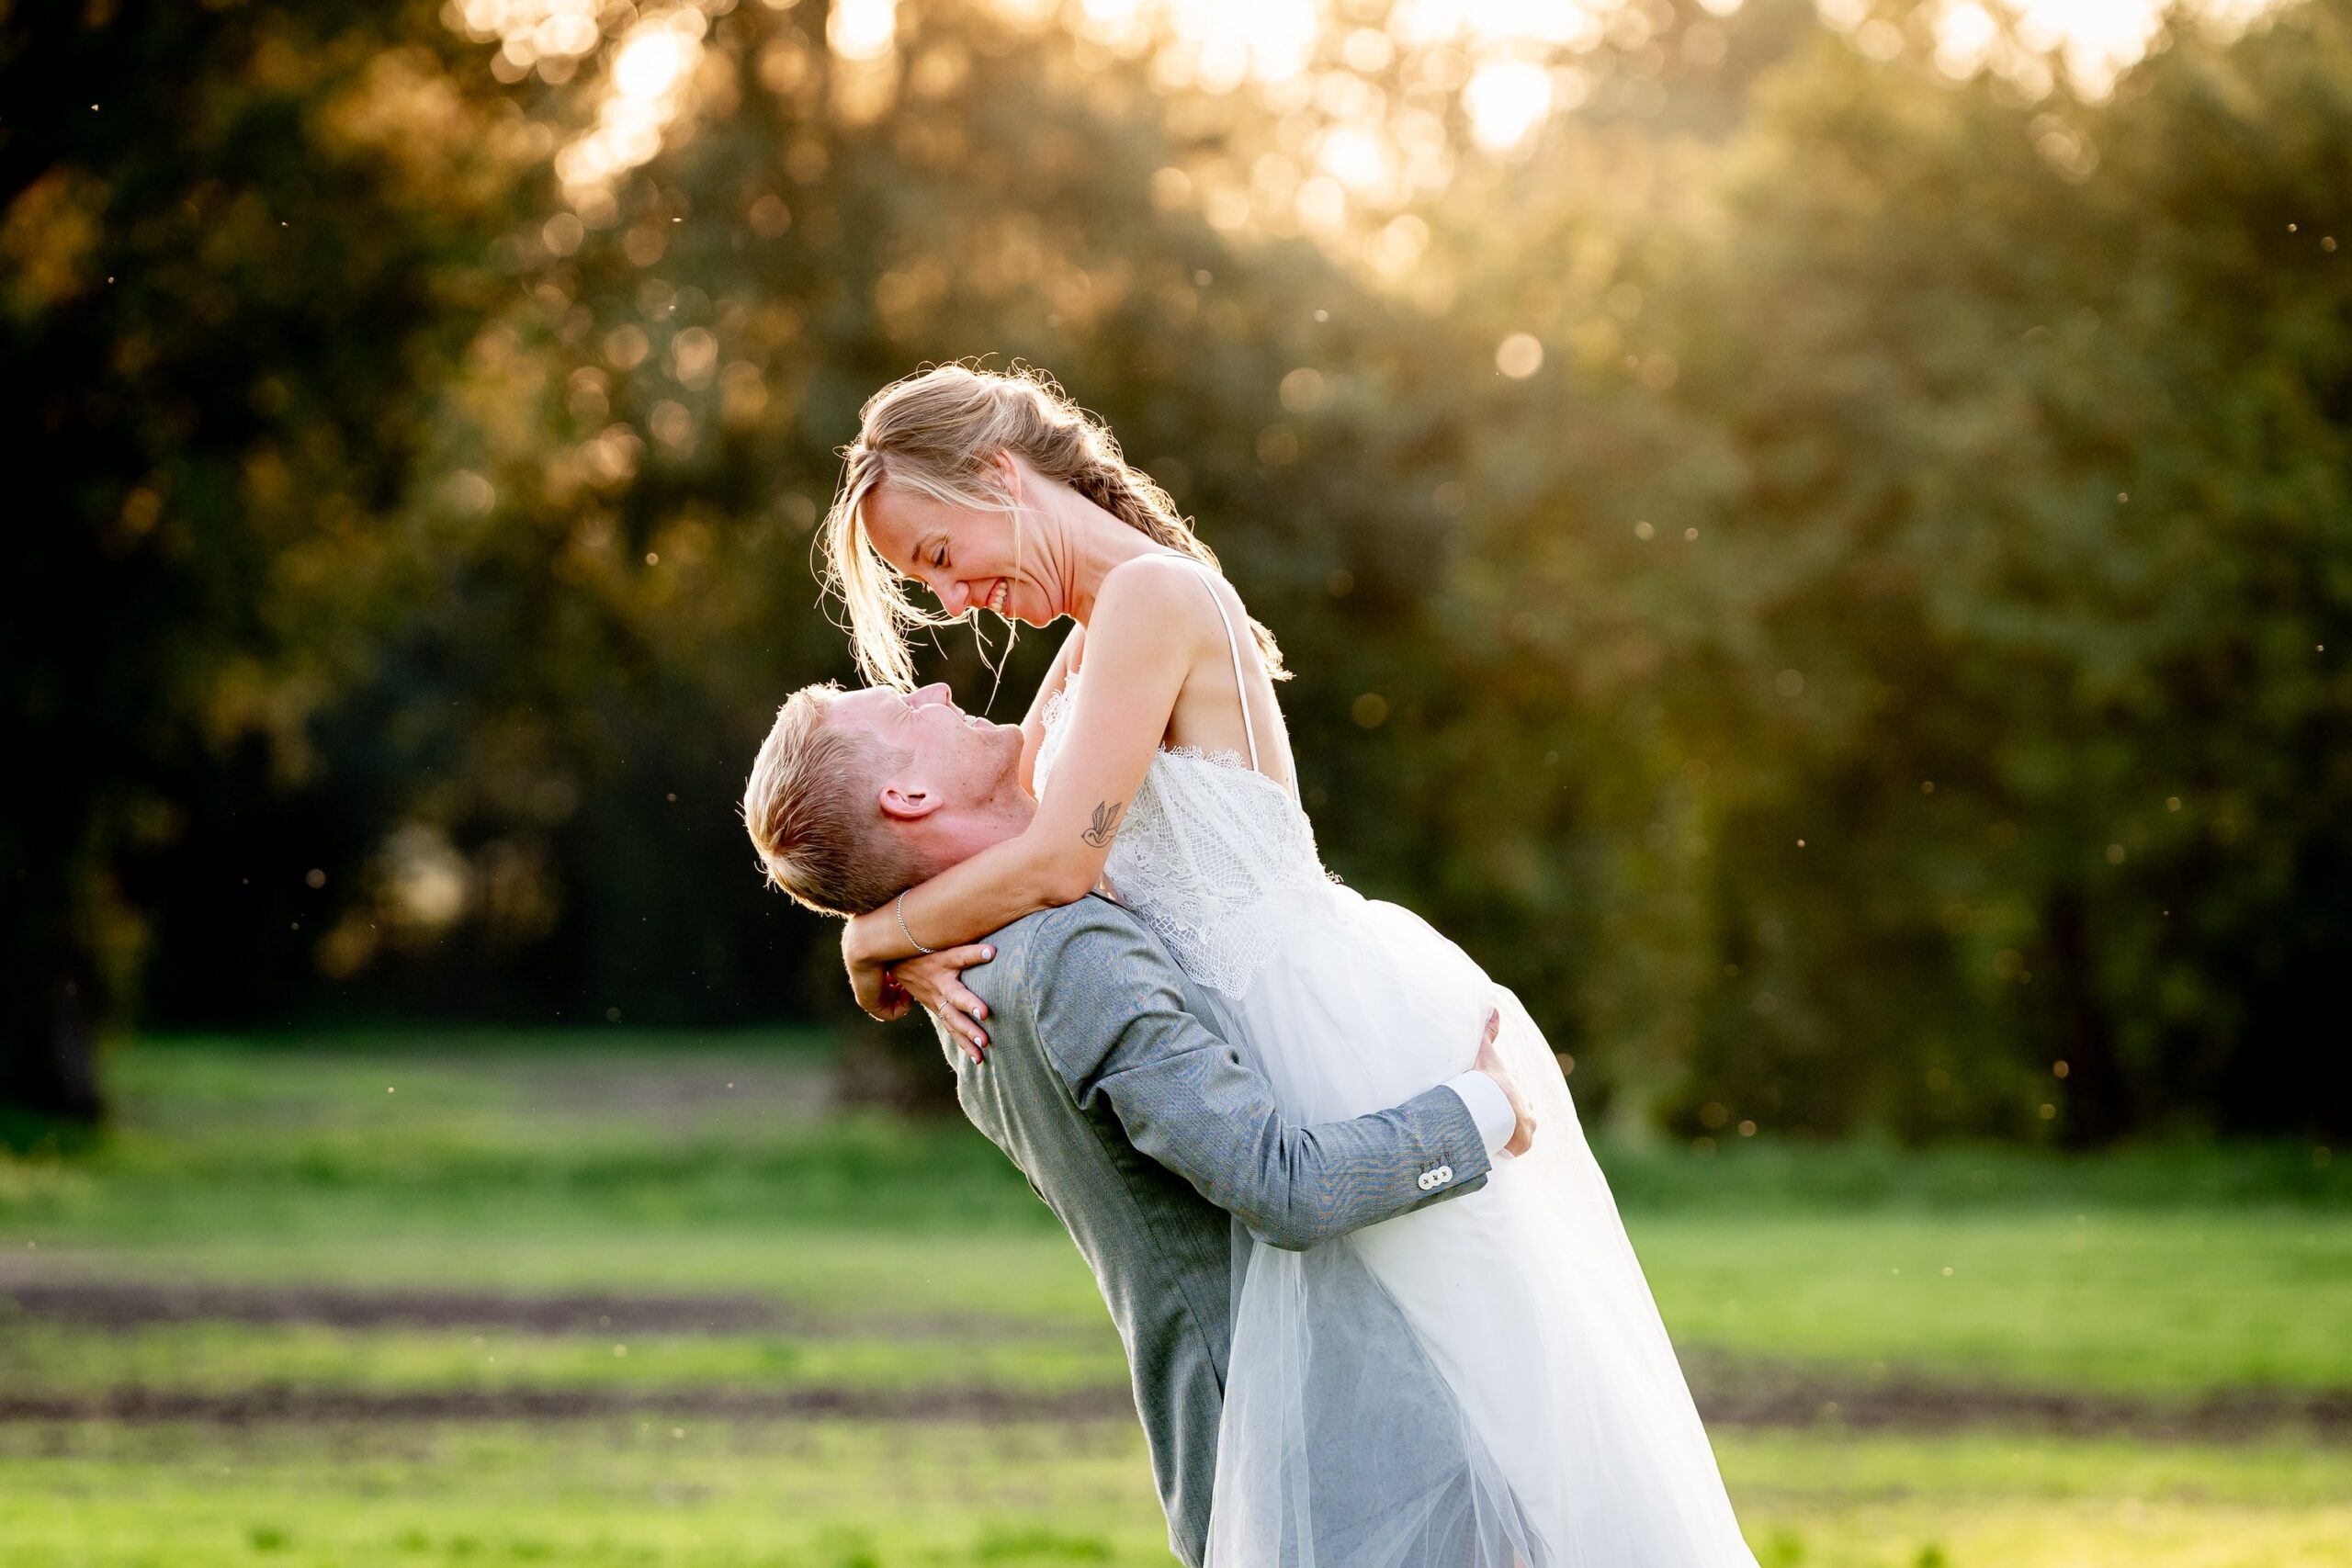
(1172, 591)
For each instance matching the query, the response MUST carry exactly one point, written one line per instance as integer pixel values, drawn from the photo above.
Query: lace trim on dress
(1057, 708)
(1225, 758)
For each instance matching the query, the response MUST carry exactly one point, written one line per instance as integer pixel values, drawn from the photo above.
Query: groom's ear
(904, 800)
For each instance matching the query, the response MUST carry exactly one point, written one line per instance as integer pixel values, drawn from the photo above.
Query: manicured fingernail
(988, 953)
(983, 1012)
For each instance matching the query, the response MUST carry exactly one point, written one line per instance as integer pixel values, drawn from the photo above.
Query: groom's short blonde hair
(812, 808)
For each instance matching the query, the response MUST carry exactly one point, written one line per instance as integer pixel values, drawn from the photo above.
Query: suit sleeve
(1115, 1023)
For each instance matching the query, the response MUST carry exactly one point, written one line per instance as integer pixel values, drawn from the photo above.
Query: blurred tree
(1940, 537)
(235, 245)
(624, 472)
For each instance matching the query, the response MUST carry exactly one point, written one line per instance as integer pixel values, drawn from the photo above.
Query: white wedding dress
(1484, 1382)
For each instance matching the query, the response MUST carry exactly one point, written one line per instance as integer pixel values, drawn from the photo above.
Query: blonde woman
(1163, 773)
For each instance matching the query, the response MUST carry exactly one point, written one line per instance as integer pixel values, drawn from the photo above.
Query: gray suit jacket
(1144, 1131)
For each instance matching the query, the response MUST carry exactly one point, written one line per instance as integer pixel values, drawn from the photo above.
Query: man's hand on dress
(1490, 1063)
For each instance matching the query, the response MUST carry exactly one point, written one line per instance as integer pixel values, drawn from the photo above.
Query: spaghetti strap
(1233, 645)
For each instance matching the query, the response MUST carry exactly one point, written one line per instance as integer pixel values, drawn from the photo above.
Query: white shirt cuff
(1489, 1107)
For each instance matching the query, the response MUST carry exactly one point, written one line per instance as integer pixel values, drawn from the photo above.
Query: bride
(1163, 771)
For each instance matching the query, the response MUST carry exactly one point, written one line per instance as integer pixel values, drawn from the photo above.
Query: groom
(1106, 1084)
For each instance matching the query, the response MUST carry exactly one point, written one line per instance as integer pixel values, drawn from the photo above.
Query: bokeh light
(863, 29)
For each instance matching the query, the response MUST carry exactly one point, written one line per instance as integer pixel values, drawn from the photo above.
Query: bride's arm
(1032, 723)
(1146, 634)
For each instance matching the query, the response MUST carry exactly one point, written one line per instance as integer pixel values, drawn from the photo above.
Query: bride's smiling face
(965, 555)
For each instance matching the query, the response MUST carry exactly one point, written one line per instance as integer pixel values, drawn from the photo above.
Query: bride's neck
(1091, 542)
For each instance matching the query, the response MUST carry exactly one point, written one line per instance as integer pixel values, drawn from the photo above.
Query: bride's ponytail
(936, 432)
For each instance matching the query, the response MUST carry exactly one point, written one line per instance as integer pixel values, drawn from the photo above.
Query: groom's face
(955, 761)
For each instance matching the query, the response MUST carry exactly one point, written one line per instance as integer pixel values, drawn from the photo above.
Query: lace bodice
(1210, 855)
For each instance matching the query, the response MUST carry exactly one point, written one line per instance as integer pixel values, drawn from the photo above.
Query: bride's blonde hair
(936, 432)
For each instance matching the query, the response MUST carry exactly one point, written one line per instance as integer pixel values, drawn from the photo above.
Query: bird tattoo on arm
(1105, 824)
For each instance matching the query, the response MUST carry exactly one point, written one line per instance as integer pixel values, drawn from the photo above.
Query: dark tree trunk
(52, 992)
(48, 1059)
(2098, 1097)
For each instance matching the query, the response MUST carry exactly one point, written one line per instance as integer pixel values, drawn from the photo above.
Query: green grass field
(655, 1300)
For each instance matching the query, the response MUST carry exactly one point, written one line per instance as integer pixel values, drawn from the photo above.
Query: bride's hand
(879, 995)
(936, 981)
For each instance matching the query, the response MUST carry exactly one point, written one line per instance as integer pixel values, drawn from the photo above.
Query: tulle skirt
(1484, 1382)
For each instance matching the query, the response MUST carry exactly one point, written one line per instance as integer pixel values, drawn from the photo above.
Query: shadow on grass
(27, 1135)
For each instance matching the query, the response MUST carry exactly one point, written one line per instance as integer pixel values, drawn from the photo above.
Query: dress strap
(1233, 645)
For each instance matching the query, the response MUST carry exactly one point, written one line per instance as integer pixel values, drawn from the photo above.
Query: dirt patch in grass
(2235, 1417)
(95, 1303)
(284, 1405)
(1732, 1394)
(1731, 1391)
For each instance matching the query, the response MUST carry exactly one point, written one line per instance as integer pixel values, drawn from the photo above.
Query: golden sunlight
(1366, 83)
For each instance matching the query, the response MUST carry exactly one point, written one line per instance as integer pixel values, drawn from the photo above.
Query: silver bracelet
(902, 906)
